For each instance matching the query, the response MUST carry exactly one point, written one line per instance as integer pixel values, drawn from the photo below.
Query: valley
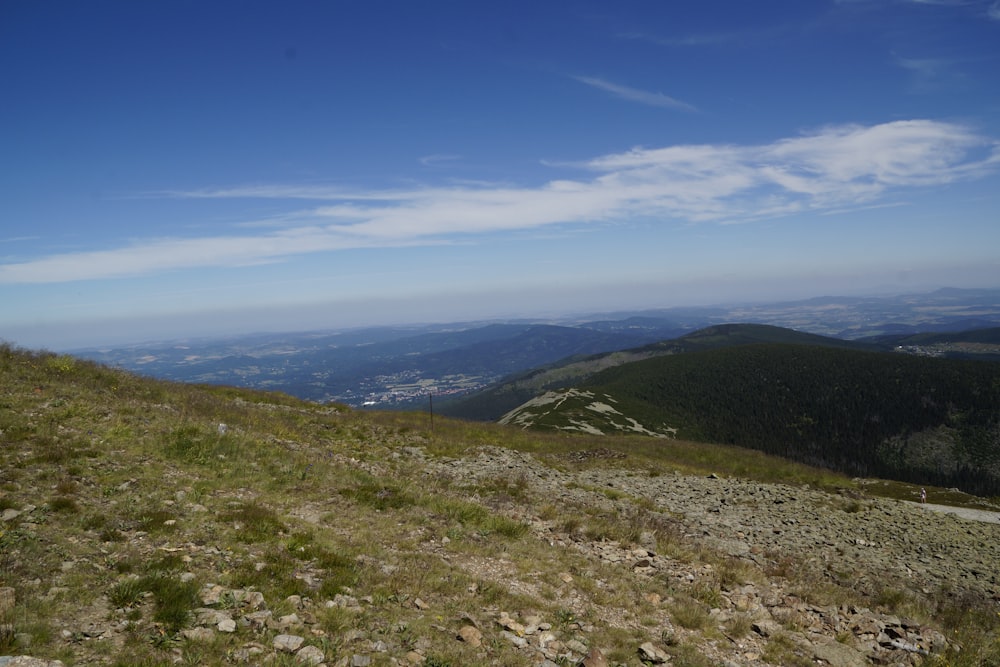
(399, 367)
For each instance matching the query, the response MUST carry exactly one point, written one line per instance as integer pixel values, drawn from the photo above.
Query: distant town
(408, 388)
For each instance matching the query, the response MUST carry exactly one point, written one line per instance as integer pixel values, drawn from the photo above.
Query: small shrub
(852, 506)
(66, 487)
(782, 650)
(51, 451)
(64, 504)
(686, 655)
(503, 526)
(8, 636)
(549, 512)
(434, 661)
(462, 511)
(191, 444)
(155, 520)
(708, 593)
(126, 593)
(62, 364)
(737, 625)
(571, 524)
(94, 522)
(690, 614)
(174, 600)
(254, 522)
(378, 496)
(111, 535)
(168, 562)
(733, 571)
(490, 591)
(340, 572)
(564, 617)
(891, 599)
(274, 576)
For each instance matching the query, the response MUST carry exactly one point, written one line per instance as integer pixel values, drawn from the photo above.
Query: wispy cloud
(993, 11)
(930, 74)
(438, 158)
(636, 95)
(827, 170)
(700, 39)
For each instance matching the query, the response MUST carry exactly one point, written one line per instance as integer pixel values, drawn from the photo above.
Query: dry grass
(145, 500)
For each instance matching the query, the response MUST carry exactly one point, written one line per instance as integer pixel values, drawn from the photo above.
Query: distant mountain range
(900, 387)
(401, 366)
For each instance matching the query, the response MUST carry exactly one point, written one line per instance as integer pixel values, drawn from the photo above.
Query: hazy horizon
(84, 335)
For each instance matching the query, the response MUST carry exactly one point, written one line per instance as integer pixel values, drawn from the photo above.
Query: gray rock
(765, 628)
(310, 655)
(519, 642)
(287, 643)
(594, 658)
(649, 652)
(471, 635)
(838, 655)
(198, 634)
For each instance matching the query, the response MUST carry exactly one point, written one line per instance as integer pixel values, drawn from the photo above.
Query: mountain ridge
(374, 365)
(859, 411)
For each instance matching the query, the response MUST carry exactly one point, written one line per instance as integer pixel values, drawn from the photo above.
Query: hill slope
(148, 523)
(495, 401)
(891, 415)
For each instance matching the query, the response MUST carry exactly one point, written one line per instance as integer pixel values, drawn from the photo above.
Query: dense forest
(919, 419)
(493, 402)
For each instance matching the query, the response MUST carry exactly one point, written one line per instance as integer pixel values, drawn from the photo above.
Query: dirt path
(961, 512)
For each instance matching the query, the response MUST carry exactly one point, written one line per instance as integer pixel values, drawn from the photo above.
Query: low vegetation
(139, 516)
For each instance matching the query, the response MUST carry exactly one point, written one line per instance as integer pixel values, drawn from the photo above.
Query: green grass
(126, 593)
(174, 599)
(143, 502)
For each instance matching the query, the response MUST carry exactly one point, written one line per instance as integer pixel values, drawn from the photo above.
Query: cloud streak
(828, 170)
(636, 95)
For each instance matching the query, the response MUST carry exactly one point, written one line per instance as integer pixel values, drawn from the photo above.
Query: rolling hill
(900, 416)
(493, 402)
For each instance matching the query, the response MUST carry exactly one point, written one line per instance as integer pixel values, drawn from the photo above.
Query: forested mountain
(900, 416)
(493, 402)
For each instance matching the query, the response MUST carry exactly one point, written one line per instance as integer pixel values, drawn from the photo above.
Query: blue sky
(174, 168)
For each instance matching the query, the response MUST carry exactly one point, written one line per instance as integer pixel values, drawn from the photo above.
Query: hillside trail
(969, 513)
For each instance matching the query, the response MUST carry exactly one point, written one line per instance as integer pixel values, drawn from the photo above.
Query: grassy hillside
(150, 523)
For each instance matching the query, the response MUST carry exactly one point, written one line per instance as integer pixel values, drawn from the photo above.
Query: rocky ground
(868, 544)
(720, 532)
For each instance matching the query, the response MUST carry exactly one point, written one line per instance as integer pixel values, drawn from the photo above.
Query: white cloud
(993, 11)
(831, 169)
(636, 95)
(438, 158)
